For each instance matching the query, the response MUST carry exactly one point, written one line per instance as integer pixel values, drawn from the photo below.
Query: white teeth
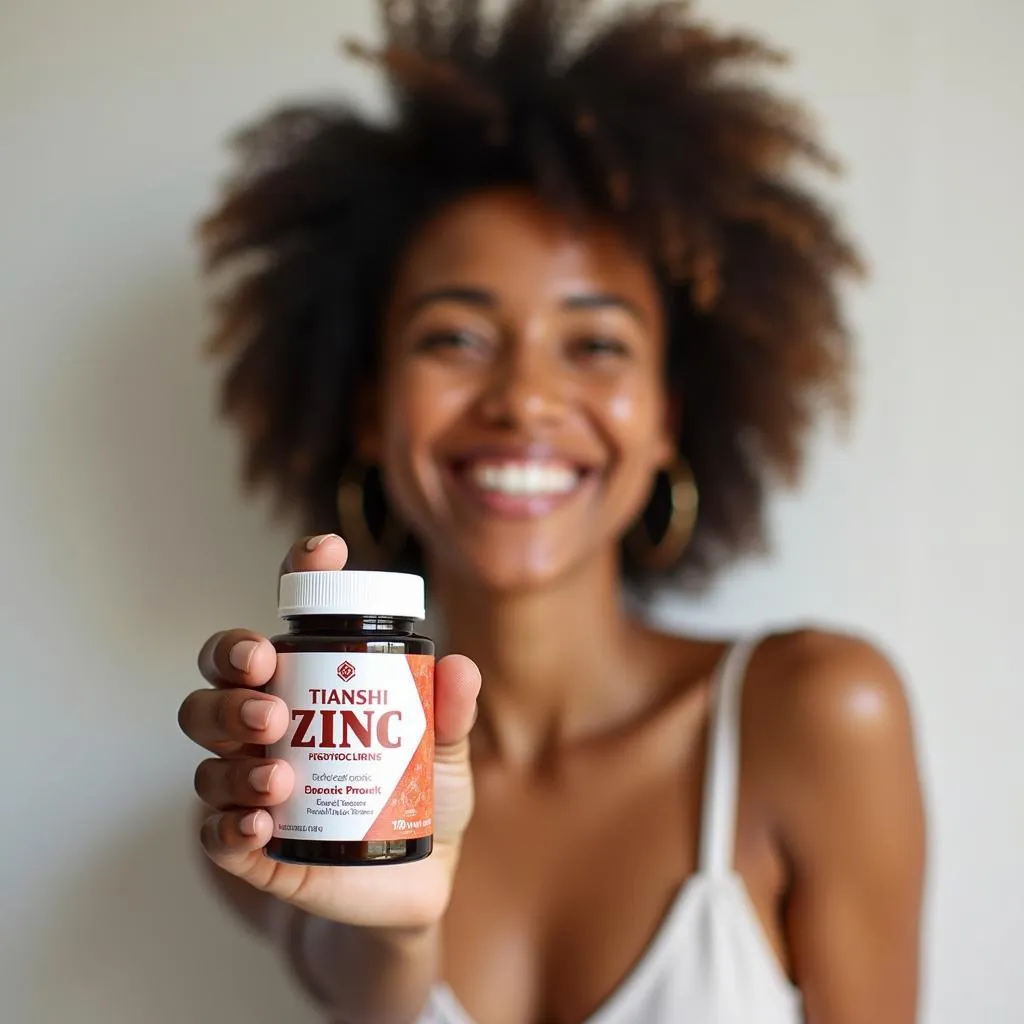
(524, 479)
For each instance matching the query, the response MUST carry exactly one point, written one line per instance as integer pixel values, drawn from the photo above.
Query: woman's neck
(559, 663)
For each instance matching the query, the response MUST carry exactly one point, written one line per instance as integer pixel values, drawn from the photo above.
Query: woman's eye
(457, 340)
(601, 346)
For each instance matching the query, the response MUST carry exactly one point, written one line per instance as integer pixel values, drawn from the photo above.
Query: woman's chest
(561, 886)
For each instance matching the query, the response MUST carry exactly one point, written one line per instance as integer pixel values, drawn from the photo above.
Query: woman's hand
(234, 720)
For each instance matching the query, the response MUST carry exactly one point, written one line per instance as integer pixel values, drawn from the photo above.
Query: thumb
(456, 687)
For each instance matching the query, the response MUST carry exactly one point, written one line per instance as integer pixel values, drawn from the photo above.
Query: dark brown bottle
(359, 683)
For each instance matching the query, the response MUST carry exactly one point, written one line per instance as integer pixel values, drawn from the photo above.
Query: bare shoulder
(819, 688)
(829, 721)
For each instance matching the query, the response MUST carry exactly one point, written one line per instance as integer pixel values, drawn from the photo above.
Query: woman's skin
(511, 338)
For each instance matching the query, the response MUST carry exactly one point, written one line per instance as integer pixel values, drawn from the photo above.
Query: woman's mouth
(519, 488)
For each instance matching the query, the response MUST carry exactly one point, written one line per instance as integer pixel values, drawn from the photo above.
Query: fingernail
(248, 825)
(241, 654)
(314, 542)
(256, 713)
(260, 778)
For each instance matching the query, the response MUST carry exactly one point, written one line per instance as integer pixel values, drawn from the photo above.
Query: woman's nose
(526, 391)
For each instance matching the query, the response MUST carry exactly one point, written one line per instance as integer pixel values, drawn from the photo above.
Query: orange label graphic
(410, 811)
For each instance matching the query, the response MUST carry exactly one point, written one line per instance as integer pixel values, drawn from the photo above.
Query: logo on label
(346, 671)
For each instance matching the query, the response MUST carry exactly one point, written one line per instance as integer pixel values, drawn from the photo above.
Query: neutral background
(125, 542)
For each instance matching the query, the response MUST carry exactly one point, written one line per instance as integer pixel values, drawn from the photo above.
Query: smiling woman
(551, 331)
(523, 412)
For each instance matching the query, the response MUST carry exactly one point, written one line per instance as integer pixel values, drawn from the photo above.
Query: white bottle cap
(348, 592)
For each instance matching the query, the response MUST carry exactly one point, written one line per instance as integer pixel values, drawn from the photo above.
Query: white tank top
(710, 961)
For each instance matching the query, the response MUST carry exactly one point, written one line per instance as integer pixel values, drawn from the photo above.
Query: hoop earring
(351, 506)
(663, 553)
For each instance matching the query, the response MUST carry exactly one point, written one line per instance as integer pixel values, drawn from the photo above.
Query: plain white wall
(124, 539)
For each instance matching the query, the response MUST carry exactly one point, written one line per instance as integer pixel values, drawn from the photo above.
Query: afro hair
(648, 120)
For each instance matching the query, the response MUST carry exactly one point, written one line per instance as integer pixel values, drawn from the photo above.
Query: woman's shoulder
(809, 683)
(817, 687)
(827, 724)
(812, 698)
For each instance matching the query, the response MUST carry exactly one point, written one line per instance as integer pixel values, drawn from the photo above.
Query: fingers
(234, 717)
(237, 657)
(224, 721)
(314, 554)
(235, 833)
(456, 687)
(245, 782)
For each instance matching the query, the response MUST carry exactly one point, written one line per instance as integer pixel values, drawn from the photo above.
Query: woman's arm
(365, 975)
(852, 823)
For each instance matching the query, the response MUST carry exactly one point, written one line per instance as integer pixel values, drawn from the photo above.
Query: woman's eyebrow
(471, 295)
(604, 300)
(466, 294)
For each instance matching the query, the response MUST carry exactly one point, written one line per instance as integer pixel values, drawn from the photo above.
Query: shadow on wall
(153, 549)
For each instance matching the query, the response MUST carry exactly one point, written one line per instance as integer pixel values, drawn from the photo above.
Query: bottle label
(361, 744)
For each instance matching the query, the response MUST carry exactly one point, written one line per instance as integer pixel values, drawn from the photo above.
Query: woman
(512, 339)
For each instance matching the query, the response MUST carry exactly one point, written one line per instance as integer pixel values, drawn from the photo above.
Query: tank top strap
(721, 773)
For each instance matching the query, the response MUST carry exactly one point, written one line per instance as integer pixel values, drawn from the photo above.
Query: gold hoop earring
(351, 506)
(663, 553)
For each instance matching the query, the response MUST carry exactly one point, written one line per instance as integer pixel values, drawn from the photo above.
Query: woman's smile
(519, 481)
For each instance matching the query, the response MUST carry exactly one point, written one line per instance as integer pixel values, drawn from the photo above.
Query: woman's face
(523, 413)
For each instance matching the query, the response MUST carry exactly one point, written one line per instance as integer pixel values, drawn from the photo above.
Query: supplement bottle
(359, 685)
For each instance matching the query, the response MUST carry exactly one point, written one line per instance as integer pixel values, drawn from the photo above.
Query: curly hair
(641, 120)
